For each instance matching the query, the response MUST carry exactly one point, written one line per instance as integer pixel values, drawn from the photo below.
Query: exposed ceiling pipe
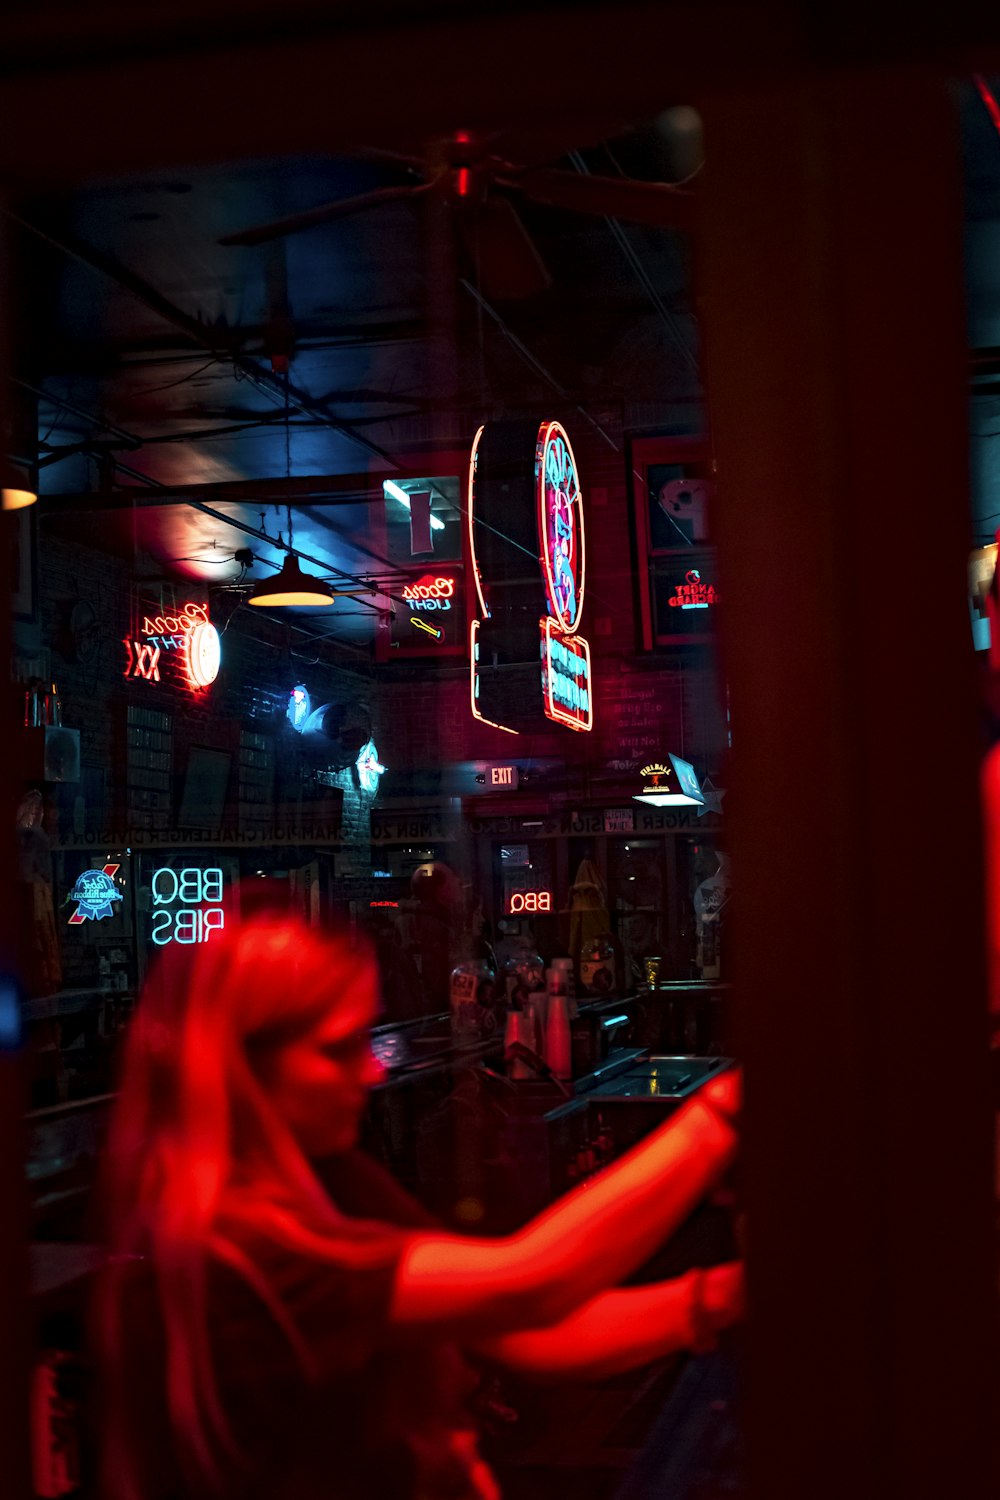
(255, 531)
(222, 343)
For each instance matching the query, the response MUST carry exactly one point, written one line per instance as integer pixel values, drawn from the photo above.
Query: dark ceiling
(341, 352)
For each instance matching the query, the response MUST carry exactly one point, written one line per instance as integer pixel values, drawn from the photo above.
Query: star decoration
(713, 796)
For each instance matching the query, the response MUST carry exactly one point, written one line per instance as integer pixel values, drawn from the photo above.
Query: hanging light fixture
(290, 585)
(16, 488)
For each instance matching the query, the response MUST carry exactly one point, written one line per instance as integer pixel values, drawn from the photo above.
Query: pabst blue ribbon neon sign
(186, 637)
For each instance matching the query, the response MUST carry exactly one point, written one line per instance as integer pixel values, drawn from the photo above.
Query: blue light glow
(396, 492)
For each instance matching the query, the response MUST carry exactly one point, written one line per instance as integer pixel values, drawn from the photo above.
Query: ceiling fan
(478, 184)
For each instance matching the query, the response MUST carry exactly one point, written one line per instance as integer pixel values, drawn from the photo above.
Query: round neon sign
(560, 525)
(204, 654)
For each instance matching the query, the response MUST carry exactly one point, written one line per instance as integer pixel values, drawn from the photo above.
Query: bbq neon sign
(528, 901)
(186, 639)
(186, 905)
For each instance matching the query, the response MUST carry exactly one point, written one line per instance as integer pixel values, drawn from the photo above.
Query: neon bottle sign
(188, 636)
(186, 905)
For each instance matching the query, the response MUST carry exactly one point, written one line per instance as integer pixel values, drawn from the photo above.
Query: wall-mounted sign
(95, 893)
(183, 647)
(566, 684)
(187, 905)
(619, 820)
(502, 777)
(520, 903)
(429, 616)
(524, 497)
(431, 592)
(673, 785)
(694, 592)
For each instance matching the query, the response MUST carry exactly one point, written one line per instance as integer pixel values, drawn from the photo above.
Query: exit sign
(502, 776)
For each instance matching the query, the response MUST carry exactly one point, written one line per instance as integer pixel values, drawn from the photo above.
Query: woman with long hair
(277, 1318)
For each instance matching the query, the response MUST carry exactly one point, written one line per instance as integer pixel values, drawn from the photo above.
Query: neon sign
(566, 682)
(94, 892)
(368, 768)
(186, 905)
(560, 525)
(526, 481)
(430, 592)
(187, 636)
(528, 901)
(693, 593)
(299, 707)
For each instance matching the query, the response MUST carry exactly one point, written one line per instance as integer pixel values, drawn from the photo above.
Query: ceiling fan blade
(655, 203)
(507, 260)
(322, 214)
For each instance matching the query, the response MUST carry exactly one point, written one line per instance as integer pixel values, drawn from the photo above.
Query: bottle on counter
(471, 1002)
(558, 1044)
(597, 967)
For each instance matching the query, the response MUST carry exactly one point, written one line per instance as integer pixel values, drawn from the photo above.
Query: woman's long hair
(200, 1161)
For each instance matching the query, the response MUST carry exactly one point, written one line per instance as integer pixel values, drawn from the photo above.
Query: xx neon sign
(189, 633)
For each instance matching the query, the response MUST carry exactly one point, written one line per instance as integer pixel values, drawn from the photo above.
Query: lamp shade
(291, 586)
(17, 488)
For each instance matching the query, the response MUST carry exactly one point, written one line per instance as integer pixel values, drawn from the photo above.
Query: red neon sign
(693, 593)
(560, 525)
(566, 678)
(474, 680)
(528, 901)
(189, 634)
(436, 591)
(484, 610)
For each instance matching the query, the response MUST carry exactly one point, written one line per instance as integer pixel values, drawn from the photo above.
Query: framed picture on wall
(23, 570)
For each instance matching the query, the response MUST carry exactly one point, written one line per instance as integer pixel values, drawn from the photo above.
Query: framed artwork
(23, 562)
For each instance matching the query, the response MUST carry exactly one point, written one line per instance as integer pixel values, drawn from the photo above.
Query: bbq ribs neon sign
(183, 644)
(186, 905)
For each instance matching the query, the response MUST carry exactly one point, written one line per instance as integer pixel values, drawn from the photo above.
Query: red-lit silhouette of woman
(266, 1333)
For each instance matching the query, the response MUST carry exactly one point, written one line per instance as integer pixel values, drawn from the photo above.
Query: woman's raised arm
(587, 1241)
(627, 1327)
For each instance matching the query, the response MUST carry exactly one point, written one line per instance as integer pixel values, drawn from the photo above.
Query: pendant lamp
(289, 586)
(16, 488)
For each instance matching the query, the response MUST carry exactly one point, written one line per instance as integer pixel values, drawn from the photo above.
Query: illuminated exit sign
(502, 776)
